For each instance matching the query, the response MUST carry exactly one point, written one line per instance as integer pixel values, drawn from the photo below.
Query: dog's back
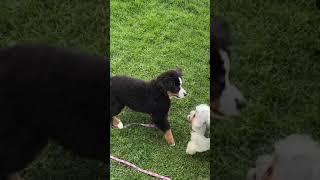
(135, 93)
(48, 92)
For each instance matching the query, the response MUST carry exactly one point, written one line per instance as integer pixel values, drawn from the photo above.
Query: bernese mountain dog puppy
(50, 93)
(152, 97)
(226, 99)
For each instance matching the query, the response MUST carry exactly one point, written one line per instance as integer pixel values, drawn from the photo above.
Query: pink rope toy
(144, 125)
(133, 165)
(140, 169)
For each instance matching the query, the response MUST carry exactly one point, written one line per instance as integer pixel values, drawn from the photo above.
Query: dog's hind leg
(198, 143)
(19, 147)
(14, 176)
(115, 108)
(116, 122)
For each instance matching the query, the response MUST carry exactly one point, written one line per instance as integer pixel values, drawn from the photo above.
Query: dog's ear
(162, 83)
(264, 167)
(179, 71)
(268, 173)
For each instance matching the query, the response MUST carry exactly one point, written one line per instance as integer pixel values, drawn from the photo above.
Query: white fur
(200, 123)
(198, 143)
(229, 95)
(182, 92)
(297, 157)
(120, 125)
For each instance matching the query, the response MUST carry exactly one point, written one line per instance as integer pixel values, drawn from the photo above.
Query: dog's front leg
(116, 122)
(161, 121)
(14, 176)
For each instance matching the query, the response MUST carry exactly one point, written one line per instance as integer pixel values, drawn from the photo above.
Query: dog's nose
(241, 104)
(185, 94)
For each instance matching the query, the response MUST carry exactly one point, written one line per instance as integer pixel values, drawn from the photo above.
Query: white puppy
(200, 123)
(297, 157)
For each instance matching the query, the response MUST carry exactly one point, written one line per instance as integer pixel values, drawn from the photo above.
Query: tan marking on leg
(14, 176)
(116, 122)
(169, 137)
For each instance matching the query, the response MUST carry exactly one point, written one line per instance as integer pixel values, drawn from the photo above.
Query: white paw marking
(120, 125)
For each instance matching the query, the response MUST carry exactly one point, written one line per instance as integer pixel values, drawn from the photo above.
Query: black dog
(152, 97)
(50, 93)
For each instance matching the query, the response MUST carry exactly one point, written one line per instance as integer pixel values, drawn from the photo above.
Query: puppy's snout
(185, 94)
(241, 104)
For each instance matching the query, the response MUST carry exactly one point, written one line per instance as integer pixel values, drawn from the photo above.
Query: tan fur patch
(171, 94)
(116, 121)
(169, 137)
(14, 176)
(215, 106)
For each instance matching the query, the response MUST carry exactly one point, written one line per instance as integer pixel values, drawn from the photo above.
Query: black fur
(220, 39)
(148, 97)
(50, 93)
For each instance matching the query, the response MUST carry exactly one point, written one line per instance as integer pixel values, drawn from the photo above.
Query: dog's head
(170, 83)
(200, 119)
(227, 99)
(297, 157)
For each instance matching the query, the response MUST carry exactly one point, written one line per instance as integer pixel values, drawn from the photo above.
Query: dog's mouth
(217, 114)
(173, 95)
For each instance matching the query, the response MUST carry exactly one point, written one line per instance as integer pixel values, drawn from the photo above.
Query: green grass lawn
(75, 23)
(148, 38)
(276, 62)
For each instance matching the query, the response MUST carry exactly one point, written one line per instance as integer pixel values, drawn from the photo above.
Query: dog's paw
(116, 123)
(120, 125)
(190, 152)
(191, 148)
(169, 138)
(14, 176)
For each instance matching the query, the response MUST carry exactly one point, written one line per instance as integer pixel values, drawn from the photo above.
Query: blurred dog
(200, 123)
(227, 100)
(297, 157)
(50, 93)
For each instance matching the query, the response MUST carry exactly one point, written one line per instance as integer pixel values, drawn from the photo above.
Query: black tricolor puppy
(227, 99)
(152, 97)
(50, 93)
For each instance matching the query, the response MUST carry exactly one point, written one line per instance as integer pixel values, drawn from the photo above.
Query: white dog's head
(200, 119)
(297, 157)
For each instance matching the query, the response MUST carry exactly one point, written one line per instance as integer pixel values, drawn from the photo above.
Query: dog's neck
(153, 83)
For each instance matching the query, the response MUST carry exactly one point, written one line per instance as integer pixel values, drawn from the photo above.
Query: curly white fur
(297, 157)
(200, 123)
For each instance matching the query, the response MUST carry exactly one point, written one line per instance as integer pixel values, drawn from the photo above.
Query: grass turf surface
(275, 62)
(148, 38)
(75, 23)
